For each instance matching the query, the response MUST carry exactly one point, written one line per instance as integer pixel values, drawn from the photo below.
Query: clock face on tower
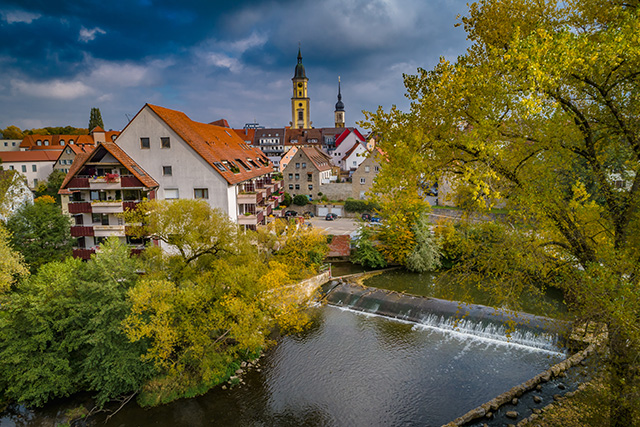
(299, 84)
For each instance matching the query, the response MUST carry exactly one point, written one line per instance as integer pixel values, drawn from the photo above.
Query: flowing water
(353, 369)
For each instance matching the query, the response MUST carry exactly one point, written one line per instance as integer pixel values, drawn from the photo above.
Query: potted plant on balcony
(111, 177)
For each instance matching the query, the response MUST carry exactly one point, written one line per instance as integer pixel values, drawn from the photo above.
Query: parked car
(366, 217)
(330, 217)
(290, 214)
(375, 219)
(308, 215)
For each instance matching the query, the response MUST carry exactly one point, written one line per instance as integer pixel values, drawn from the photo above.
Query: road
(336, 227)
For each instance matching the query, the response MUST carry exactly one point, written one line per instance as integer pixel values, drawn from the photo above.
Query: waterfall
(472, 320)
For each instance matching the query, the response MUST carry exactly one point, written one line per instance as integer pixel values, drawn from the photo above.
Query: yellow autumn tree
(541, 113)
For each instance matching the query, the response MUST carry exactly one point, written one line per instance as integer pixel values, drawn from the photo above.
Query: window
(304, 165)
(62, 142)
(290, 176)
(362, 180)
(300, 116)
(290, 186)
(201, 193)
(38, 142)
(297, 176)
(6, 144)
(377, 168)
(366, 168)
(35, 182)
(166, 171)
(24, 168)
(297, 165)
(309, 177)
(34, 168)
(144, 143)
(171, 193)
(310, 186)
(99, 218)
(165, 142)
(46, 142)
(11, 167)
(71, 141)
(297, 186)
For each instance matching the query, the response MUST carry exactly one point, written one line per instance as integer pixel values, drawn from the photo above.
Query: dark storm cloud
(213, 59)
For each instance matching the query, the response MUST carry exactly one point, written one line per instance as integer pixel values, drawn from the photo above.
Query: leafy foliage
(426, 252)
(41, 233)
(352, 205)
(541, 115)
(300, 200)
(12, 265)
(95, 119)
(51, 186)
(366, 253)
(60, 331)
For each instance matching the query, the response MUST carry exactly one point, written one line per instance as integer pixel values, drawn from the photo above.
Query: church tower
(300, 118)
(338, 114)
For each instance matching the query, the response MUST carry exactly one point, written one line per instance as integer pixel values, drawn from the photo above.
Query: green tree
(12, 132)
(95, 119)
(51, 186)
(213, 299)
(426, 252)
(541, 113)
(366, 253)
(41, 233)
(300, 200)
(287, 200)
(60, 331)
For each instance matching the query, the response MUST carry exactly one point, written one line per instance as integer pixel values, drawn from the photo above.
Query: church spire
(338, 114)
(300, 118)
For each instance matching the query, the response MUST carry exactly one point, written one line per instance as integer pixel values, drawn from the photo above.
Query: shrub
(287, 199)
(360, 206)
(300, 200)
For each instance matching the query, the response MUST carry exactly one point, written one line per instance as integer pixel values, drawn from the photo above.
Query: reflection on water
(437, 285)
(353, 369)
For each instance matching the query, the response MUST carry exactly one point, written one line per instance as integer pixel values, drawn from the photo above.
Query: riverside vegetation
(164, 325)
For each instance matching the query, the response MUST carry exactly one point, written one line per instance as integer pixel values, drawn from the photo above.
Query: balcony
(131, 182)
(250, 198)
(81, 231)
(80, 207)
(78, 183)
(83, 253)
(129, 205)
(104, 183)
(108, 230)
(254, 219)
(103, 206)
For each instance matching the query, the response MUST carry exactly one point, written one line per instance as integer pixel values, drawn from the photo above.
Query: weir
(486, 322)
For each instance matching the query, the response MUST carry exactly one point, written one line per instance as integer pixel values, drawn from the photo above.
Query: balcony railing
(81, 231)
(80, 207)
(128, 205)
(78, 183)
(250, 198)
(83, 253)
(253, 219)
(131, 182)
(108, 230)
(103, 206)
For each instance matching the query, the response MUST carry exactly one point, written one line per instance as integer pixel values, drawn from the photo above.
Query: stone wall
(336, 190)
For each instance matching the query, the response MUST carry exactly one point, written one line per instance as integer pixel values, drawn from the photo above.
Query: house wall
(364, 177)
(10, 144)
(337, 190)
(301, 158)
(355, 158)
(42, 172)
(189, 169)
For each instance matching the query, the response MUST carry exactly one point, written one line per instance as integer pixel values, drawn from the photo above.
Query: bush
(360, 206)
(300, 200)
(287, 199)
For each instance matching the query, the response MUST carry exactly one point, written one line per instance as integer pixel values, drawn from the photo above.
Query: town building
(364, 176)
(300, 115)
(35, 166)
(195, 160)
(68, 155)
(306, 172)
(101, 185)
(350, 149)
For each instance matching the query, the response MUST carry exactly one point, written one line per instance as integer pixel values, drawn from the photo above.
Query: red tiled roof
(97, 129)
(222, 123)
(120, 155)
(30, 156)
(30, 141)
(77, 149)
(319, 159)
(246, 134)
(217, 145)
(342, 136)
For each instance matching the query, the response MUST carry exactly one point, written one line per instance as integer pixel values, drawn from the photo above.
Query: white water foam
(489, 333)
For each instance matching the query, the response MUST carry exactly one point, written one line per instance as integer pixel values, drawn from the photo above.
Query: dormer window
(38, 142)
(62, 142)
(71, 141)
(46, 142)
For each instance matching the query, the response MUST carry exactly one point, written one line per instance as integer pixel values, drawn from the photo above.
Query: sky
(214, 59)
